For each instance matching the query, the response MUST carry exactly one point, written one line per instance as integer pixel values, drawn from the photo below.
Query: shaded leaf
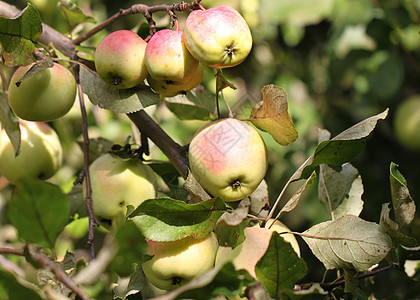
(238, 214)
(294, 200)
(404, 205)
(97, 147)
(171, 177)
(73, 13)
(230, 235)
(393, 229)
(165, 219)
(85, 52)
(280, 267)
(9, 122)
(13, 288)
(136, 284)
(271, 115)
(18, 35)
(35, 68)
(348, 242)
(39, 210)
(192, 185)
(131, 249)
(341, 191)
(342, 148)
(260, 204)
(116, 100)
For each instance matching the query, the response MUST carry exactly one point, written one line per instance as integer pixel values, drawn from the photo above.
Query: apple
(45, 96)
(228, 158)
(119, 59)
(40, 153)
(407, 122)
(117, 183)
(175, 263)
(171, 88)
(257, 239)
(167, 57)
(218, 37)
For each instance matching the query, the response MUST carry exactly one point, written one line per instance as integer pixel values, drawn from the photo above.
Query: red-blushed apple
(228, 158)
(40, 153)
(45, 96)
(175, 263)
(246, 255)
(117, 183)
(167, 58)
(218, 37)
(172, 88)
(119, 59)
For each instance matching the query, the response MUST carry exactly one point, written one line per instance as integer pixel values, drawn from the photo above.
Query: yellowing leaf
(271, 115)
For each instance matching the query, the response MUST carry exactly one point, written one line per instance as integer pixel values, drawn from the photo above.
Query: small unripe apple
(167, 57)
(40, 153)
(228, 158)
(407, 122)
(175, 263)
(218, 37)
(172, 88)
(247, 254)
(45, 96)
(119, 59)
(117, 183)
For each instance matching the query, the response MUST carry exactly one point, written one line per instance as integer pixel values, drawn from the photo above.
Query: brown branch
(146, 10)
(55, 268)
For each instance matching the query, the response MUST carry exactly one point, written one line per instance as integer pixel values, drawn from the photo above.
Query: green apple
(119, 59)
(167, 57)
(45, 96)
(40, 153)
(117, 183)
(257, 239)
(228, 158)
(171, 88)
(407, 122)
(175, 263)
(218, 37)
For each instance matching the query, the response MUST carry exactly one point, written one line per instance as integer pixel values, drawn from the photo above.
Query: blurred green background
(340, 61)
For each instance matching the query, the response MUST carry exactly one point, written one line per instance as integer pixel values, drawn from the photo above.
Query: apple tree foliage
(332, 57)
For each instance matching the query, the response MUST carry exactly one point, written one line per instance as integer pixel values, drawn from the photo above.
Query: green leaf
(165, 219)
(230, 235)
(39, 210)
(342, 148)
(194, 105)
(18, 35)
(341, 191)
(135, 285)
(13, 288)
(348, 242)
(404, 205)
(35, 68)
(171, 177)
(73, 13)
(260, 204)
(116, 100)
(86, 52)
(131, 249)
(280, 267)
(294, 200)
(9, 122)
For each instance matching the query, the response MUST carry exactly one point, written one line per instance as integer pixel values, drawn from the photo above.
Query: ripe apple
(167, 57)
(175, 263)
(119, 59)
(256, 242)
(171, 88)
(40, 153)
(228, 158)
(407, 122)
(116, 183)
(218, 37)
(45, 96)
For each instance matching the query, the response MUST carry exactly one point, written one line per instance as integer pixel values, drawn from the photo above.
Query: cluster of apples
(172, 60)
(45, 96)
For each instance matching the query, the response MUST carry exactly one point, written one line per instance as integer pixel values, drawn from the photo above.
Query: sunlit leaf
(341, 191)
(165, 219)
(39, 210)
(348, 242)
(342, 148)
(85, 52)
(280, 267)
(404, 205)
(113, 99)
(18, 35)
(271, 115)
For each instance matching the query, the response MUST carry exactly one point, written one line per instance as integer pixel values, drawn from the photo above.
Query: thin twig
(55, 268)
